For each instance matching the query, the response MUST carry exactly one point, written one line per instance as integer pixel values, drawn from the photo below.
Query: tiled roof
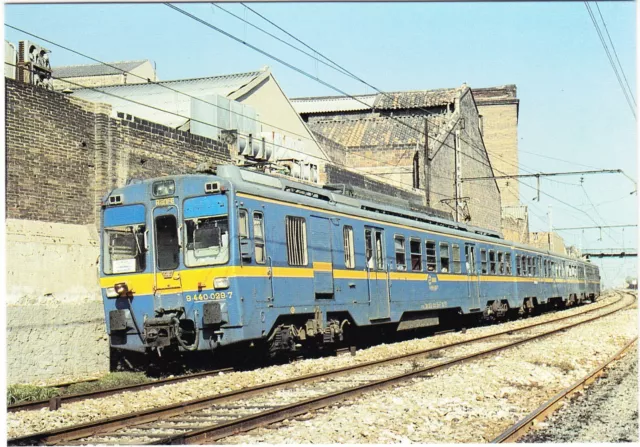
(488, 94)
(381, 101)
(77, 71)
(375, 131)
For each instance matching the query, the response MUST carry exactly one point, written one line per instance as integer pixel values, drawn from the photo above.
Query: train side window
(483, 261)
(243, 223)
(415, 247)
(524, 265)
(530, 265)
(470, 255)
(296, 230)
(507, 263)
(455, 249)
(492, 262)
(431, 256)
(444, 257)
(518, 266)
(401, 255)
(368, 252)
(349, 251)
(500, 263)
(258, 237)
(379, 250)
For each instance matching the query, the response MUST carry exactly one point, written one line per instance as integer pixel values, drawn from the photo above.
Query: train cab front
(163, 243)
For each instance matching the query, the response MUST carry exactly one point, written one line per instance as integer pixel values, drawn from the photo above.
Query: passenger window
(444, 257)
(207, 241)
(369, 248)
(518, 266)
(349, 251)
(455, 249)
(470, 254)
(500, 263)
(483, 260)
(258, 237)
(431, 256)
(401, 262)
(415, 247)
(524, 265)
(243, 223)
(492, 262)
(379, 250)
(507, 263)
(530, 265)
(296, 230)
(167, 248)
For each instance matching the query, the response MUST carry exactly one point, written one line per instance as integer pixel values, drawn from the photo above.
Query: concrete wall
(269, 97)
(548, 241)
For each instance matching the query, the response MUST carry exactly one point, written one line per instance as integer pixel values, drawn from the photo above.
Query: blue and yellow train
(235, 256)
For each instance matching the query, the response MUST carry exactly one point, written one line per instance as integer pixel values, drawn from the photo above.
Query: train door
(377, 273)
(167, 246)
(321, 255)
(473, 276)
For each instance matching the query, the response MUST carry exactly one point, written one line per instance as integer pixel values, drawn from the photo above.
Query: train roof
(395, 210)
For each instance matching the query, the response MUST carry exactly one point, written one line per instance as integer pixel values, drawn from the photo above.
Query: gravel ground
(607, 412)
(467, 403)
(25, 422)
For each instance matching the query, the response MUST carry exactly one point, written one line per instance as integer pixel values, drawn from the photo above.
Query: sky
(573, 114)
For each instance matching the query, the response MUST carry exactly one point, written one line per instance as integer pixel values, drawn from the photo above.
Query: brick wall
(500, 132)
(335, 174)
(64, 154)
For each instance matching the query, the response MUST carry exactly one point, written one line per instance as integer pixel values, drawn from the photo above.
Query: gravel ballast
(25, 422)
(607, 412)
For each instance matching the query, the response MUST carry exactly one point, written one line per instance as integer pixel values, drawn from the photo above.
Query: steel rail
(219, 431)
(516, 431)
(35, 405)
(108, 392)
(118, 422)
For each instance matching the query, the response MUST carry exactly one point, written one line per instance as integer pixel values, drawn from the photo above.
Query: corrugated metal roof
(333, 104)
(77, 71)
(156, 95)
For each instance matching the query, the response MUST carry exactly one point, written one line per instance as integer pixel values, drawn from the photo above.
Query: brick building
(383, 136)
(100, 75)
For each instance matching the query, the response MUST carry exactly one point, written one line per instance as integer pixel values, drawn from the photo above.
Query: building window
(483, 261)
(416, 170)
(444, 257)
(401, 261)
(349, 253)
(431, 256)
(507, 263)
(296, 230)
(455, 249)
(415, 246)
(492, 262)
(258, 237)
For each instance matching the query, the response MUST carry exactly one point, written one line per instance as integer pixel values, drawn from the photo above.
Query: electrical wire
(613, 66)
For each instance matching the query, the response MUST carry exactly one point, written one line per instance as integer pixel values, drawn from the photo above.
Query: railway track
(522, 427)
(55, 403)
(208, 419)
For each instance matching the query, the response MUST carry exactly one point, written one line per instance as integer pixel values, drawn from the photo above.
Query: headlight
(121, 288)
(221, 283)
(111, 292)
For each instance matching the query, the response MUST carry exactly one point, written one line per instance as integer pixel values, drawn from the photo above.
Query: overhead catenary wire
(615, 53)
(608, 53)
(193, 17)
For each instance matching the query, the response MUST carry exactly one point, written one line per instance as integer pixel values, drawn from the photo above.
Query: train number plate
(164, 202)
